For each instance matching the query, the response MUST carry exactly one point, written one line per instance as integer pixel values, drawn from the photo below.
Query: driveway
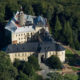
(45, 70)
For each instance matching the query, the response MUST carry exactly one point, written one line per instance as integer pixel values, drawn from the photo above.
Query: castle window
(27, 34)
(31, 34)
(18, 54)
(50, 53)
(30, 54)
(27, 38)
(25, 54)
(22, 54)
(15, 54)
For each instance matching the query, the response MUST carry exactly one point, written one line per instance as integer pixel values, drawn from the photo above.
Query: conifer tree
(67, 32)
(58, 28)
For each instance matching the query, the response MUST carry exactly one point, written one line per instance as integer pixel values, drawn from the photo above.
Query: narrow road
(45, 70)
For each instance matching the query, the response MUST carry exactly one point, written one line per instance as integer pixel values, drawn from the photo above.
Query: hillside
(63, 17)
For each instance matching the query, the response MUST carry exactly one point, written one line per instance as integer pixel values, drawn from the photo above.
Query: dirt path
(69, 48)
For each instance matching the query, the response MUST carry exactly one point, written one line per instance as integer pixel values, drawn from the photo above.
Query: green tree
(58, 25)
(17, 63)
(11, 8)
(2, 12)
(28, 69)
(58, 28)
(34, 62)
(67, 32)
(7, 70)
(49, 11)
(25, 67)
(59, 8)
(36, 77)
(27, 7)
(54, 62)
(55, 76)
(70, 77)
(38, 9)
(22, 76)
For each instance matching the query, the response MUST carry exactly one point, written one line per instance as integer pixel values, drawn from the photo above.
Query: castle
(30, 36)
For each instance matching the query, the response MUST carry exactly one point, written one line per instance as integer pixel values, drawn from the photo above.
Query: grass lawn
(70, 56)
(68, 51)
(75, 68)
(78, 52)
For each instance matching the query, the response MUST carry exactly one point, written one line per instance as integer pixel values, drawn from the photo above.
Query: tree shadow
(73, 59)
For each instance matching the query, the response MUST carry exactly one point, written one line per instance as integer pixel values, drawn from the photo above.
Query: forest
(63, 18)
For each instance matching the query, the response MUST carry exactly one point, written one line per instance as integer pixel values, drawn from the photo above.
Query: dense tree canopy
(27, 70)
(55, 76)
(54, 62)
(25, 67)
(58, 76)
(70, 77)
(22, 76)
(7, 70)
(34, 62)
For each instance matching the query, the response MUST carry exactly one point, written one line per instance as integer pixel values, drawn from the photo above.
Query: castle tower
(21, 18)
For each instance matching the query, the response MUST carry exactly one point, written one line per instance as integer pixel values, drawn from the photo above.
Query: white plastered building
(22, 28)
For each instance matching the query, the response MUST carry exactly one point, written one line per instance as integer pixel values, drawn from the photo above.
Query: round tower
(21, 18)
